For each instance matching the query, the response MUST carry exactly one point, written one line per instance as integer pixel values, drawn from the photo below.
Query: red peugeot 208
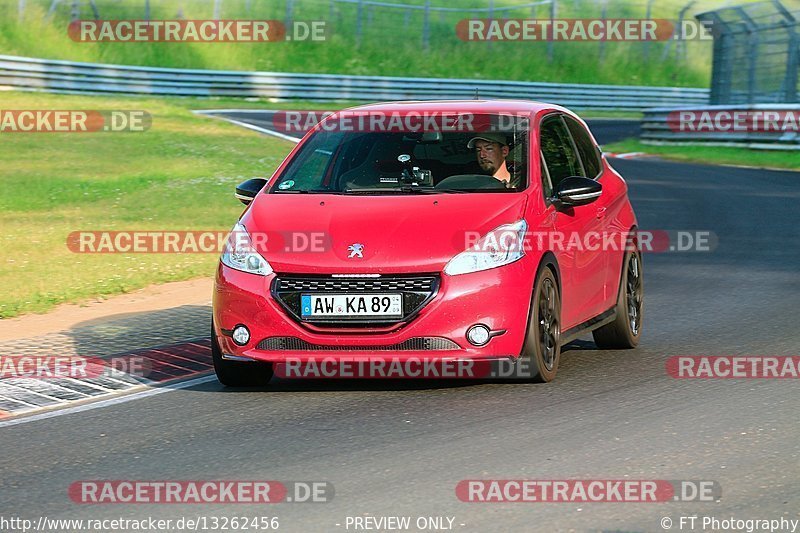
(430, 231)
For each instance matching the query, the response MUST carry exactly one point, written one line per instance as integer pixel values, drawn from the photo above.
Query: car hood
(315, 233)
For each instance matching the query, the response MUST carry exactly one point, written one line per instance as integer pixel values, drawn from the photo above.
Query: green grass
(588, 114)
(178, 175)
(716, 155)
(390, 44)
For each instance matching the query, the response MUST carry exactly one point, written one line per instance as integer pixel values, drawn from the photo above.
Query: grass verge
(178, 175)
(712, 155)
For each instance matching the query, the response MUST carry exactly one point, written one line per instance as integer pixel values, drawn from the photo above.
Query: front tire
(625, 330)
(542, 349)
(238, 373)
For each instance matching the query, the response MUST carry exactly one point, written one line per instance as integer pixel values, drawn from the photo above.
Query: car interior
(436, 159)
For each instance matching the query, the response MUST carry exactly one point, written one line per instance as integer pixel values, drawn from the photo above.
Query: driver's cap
(490, 137)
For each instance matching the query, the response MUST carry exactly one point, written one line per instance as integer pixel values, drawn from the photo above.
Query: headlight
(501, 246)
(240, 254)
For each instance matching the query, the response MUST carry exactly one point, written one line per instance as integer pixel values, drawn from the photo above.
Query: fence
(756, 53)
(375, 19)
(428, 11)
(72, 77)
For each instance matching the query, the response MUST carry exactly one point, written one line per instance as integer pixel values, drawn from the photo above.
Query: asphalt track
(400, 448)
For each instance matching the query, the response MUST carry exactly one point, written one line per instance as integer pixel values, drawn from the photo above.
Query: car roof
(462, 106)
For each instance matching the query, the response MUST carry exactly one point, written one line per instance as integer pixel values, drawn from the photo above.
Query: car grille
(414, 344)
(416, 292)
(355, 285)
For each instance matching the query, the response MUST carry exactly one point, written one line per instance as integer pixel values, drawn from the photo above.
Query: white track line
(630, 155)
(111, 401)
(251, 111)
(248, 126)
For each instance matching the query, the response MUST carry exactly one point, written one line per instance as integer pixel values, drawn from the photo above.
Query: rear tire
(238, 373)
(542, 349)
(625, 330)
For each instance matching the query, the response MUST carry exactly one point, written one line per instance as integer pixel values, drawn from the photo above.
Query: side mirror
(575, 191)
(247, 190)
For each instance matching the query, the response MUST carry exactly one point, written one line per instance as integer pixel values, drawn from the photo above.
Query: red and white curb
(169, 368)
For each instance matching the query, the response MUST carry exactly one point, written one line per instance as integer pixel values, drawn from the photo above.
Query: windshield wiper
(374, 190)
(440, 191)
(305, 191)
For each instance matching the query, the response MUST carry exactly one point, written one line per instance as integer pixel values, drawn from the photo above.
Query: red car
(435, 231)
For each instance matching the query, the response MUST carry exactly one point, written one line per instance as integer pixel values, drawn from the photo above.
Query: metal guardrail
(72, 77)
(656, 129)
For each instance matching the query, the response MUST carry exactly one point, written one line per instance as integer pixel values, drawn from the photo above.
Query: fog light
(478, 335)
(241, 335)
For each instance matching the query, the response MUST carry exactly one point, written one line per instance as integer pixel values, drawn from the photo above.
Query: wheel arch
(632, 231)
(548, 260)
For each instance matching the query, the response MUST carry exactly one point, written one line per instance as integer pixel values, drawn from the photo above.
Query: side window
(307, 177)
(586, 148)
(558, 151)
(306, 170)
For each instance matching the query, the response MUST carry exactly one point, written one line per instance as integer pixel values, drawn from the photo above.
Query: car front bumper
(498, 298)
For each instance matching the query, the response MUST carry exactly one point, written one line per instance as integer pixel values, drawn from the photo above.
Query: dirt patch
(153, 298)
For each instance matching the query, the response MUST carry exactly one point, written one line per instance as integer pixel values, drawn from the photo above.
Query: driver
(491, 150)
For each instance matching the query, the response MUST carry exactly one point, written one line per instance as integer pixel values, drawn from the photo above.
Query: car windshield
(397, 162)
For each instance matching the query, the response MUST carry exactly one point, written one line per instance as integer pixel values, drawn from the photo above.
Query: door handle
(601, 212)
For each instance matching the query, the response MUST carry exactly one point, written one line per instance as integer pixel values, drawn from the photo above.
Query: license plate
(351, 305)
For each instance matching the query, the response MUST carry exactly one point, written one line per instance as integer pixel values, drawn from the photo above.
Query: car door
(608, 207)
(576, 234)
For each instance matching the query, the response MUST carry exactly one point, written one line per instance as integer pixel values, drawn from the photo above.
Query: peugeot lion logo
(356, 250)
